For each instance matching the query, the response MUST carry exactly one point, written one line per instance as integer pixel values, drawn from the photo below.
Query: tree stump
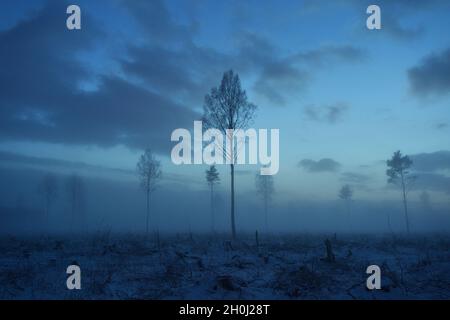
(330, 255)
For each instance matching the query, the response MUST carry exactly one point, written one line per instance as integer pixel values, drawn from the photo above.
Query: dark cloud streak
(328, 113)
(41, 99)
(432, 75)
(322, 165)
(429, 162)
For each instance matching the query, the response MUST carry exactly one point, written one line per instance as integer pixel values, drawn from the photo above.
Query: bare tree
(399, 175)
(212, 178)
(425, 201)
(227, 109)
(48, 189)
(149, 172)
(265, 188)
(75, 192)
(346, 194)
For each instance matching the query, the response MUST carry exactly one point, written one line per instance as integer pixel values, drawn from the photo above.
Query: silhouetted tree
(75, 192)
(212, 177)
(346, 194)
(425, 201)
(48, 189)
(227, 108)
(149, 171)
(399, 175)
(265, 188)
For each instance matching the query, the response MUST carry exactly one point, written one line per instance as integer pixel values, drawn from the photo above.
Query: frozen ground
(281, 267)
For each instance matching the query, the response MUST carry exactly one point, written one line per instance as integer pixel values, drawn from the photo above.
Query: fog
(119, 205)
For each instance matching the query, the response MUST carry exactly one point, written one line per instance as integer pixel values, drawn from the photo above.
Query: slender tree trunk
(348, 215)
(148, 212)
(212, 209)
(47, 226)
(265, 215)
(190, 229)
(389, 223)
(233, 227)
(47, 209)
(72, 217)
(405, 205)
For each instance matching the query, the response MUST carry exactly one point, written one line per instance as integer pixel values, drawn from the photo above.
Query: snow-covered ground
(205, 267)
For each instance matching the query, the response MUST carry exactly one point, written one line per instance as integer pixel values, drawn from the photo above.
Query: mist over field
(119, 206)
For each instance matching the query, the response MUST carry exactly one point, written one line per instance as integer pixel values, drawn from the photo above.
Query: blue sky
(139, 69)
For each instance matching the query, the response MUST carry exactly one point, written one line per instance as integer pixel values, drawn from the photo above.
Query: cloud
(15, 160)
(398, 18)
(180, 67)
(155, 21)
(9, 159)
(357, 180)
(353, 177)
(429, 162)
(432, 182)
(441, 125)
(154, 88)
(392, 25)
(42, 100)
(186, 75)
(279, 78)
(329, 113)
(327, 54)
(432, 75)
(187, 71)
(322, 165)
(294, 72)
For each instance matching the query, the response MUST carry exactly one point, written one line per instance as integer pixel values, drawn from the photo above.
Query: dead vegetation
(205, 267)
